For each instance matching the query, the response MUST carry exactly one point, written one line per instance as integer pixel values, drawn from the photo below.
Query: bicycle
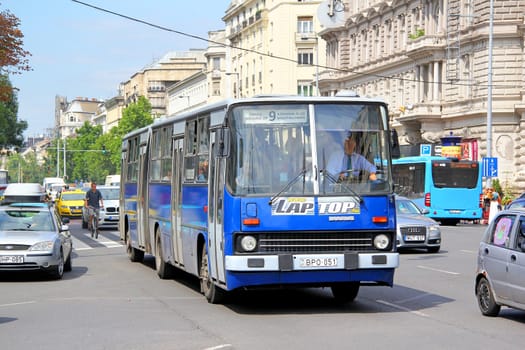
(93, 221)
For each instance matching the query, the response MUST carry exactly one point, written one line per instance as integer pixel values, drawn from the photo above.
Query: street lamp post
(237, 87)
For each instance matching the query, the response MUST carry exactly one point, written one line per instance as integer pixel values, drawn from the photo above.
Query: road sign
(425, 150)
(489, 166)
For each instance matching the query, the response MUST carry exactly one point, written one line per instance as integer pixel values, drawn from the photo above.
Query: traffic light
(103, 149)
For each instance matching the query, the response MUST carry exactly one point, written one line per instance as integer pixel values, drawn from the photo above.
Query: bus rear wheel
(164, 270)
(345, 292)
(134, 254)
(213, 294)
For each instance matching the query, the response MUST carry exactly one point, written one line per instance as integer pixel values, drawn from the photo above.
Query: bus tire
(213, 293)
(345, 292)
(134, 254)
(164, 269)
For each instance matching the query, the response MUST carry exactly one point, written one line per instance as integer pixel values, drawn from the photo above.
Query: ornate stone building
(429, 59)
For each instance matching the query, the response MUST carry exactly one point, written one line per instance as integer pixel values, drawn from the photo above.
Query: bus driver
(347, 163)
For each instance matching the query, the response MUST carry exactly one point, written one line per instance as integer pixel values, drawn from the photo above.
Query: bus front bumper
(309, 262)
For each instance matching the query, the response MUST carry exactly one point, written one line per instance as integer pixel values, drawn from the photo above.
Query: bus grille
(316, 242)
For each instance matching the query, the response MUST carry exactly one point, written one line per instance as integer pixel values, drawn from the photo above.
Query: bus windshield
(300, 149)
(455, 174)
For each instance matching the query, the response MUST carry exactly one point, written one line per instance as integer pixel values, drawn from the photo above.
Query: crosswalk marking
(84, 241)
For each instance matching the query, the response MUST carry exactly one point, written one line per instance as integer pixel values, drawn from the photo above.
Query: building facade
(70, 116)
(429, 59)
(153, 80)
(273, 47)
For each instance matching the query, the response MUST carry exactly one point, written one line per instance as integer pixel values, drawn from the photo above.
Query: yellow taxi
(70, 202)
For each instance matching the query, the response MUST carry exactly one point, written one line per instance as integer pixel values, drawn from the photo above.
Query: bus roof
(227, 103)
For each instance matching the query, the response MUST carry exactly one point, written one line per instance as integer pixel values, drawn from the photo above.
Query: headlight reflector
(248, 243)
(381, 241)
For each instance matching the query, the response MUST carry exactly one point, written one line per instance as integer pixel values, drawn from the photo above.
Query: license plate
(12, 259)
(414, 238)
(454, 211)
(316, 262)
(111, 218)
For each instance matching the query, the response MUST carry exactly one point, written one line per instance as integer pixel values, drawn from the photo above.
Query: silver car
(500, 274)
(414, 229)
(34, 237)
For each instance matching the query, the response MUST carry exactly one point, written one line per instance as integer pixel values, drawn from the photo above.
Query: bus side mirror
(224, 142)
(394, 141)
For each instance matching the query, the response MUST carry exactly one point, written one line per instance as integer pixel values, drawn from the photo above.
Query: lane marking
(438, 270)
(399, 307)
(469, 251)
(222, 346)
(21, 303)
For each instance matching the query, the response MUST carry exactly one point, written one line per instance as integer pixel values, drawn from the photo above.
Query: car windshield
(517, 204)
(73, 196)
(110, 193)
(26, 220)
(404, 206)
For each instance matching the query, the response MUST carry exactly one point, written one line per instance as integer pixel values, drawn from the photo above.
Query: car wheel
(134, 254)
(68, 265)
(213, 293)
(58, 271)
(164, 270)
(486, 302)
(345, 292)
(433, 249)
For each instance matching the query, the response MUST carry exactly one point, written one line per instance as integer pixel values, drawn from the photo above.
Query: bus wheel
(163, 269)
(134, 254)
(345, 292)
(213, 294)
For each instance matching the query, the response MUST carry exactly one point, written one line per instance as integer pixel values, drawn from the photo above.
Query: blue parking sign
(425, 150)
(489, 166)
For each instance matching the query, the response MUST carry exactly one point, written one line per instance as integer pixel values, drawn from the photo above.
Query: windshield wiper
(346, 187)
(288, 185)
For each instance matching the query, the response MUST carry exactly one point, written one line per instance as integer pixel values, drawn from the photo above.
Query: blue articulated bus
(242, 194)
(451, 189)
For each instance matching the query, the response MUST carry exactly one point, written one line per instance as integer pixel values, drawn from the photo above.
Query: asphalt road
(107, 302)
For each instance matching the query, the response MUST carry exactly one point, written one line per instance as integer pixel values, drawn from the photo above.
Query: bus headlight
(248, 243)
(381, 242)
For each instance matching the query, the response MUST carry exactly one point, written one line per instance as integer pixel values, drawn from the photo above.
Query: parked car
(517, 203)
(414, 229)
(34, 237)
(500, 274)
(109, 215)
(70, 203)
(24, 192)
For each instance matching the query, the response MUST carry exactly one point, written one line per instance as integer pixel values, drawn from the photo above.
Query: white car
(109, 215)
(414, 229)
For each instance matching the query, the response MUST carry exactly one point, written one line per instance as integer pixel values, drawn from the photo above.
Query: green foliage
(85, 156)
(11, 129)
(419, 33)
(135, 116)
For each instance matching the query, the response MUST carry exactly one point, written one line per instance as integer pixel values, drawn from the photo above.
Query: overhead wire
(287, 59)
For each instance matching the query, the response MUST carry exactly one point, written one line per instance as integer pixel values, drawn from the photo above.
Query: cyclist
(93, 202)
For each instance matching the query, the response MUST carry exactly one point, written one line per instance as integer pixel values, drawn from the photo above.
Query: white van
(112, 180)
(50, 185)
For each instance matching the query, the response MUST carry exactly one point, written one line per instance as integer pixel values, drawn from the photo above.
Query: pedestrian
(495, 203)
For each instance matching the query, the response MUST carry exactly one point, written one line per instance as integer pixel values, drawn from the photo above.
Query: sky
(79, 51)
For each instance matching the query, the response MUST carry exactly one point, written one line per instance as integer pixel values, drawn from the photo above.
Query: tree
(11, 130)
(13, 58)
(135, 116)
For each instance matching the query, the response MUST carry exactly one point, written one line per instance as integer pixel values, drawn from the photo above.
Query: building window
(305, 57)
(216, 88)
(305, 25)
(216, 63)
(305, 88)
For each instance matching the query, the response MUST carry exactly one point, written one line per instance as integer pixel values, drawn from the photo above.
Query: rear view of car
(414, 229)
(500, 275)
